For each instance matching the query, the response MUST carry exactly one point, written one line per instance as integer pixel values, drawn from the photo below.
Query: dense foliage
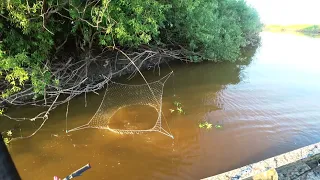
(34, 32)
(214, 29)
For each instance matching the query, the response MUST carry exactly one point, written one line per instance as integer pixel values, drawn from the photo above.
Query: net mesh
(125, 95)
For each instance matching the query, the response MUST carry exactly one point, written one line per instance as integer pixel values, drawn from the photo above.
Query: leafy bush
(213, 29)
(119, 22)
(31, 30)
(34, 32)
(24, 45)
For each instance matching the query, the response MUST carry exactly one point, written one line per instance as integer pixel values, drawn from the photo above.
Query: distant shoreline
(300, 28)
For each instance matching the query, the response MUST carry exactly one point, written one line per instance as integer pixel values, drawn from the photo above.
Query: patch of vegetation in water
(8, 135)
(205, 125)
(209, 126)
(178, 108)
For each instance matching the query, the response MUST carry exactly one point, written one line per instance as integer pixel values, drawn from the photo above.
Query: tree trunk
(8, 170)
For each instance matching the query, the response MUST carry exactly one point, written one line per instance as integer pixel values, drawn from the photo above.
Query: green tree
(34, 34)
(212, 29)
(24, 45)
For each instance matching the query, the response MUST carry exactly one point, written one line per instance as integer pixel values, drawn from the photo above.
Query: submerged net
(125, 95)
(74, 80)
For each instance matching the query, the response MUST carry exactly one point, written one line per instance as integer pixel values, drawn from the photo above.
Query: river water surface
(267, 105)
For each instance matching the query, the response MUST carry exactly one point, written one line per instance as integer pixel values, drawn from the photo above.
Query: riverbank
(126, 29)
(300, 163)
(299, 28)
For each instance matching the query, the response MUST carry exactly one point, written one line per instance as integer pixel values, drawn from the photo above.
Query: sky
(288, 11)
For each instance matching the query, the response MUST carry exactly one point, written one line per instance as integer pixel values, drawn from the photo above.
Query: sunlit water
(267, 106)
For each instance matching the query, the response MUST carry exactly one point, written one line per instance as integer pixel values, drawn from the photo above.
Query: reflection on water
(268, 105)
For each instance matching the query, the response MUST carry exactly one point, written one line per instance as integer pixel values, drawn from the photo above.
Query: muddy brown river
(267, 105)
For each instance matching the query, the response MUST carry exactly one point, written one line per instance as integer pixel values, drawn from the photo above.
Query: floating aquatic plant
(178, 108)
(218, 126)
(176, 103)
(205, 125)
(6, 141)
(9, 133)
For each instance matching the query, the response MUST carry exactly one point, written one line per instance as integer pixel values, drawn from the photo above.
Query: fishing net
(74, 80)
(149, 94)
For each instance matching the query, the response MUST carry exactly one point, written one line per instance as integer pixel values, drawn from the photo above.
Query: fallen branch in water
(91, 74)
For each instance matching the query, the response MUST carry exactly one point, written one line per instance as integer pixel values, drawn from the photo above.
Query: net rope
(125, 95)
